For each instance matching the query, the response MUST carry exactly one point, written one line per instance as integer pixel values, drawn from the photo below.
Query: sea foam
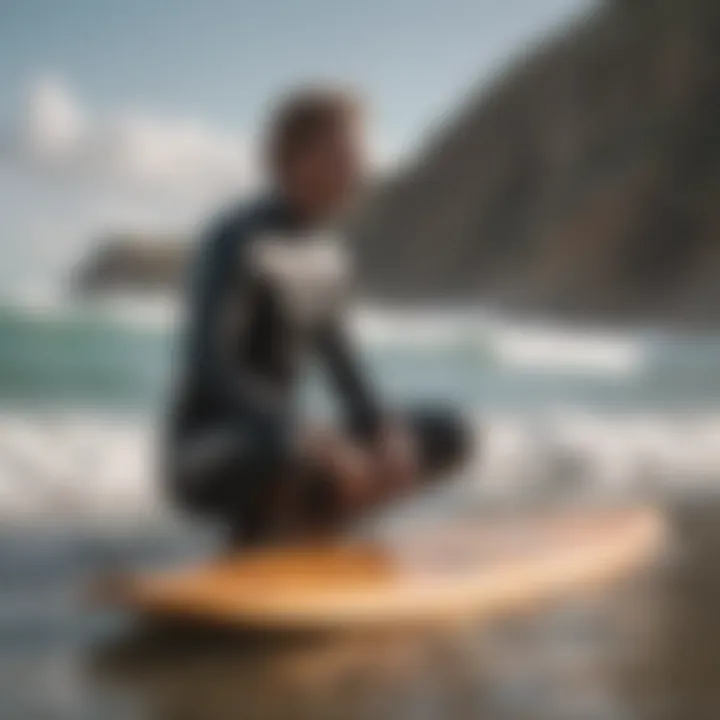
(100, 470)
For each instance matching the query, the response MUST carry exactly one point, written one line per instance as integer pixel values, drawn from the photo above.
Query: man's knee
(197, 469)
(443, 436)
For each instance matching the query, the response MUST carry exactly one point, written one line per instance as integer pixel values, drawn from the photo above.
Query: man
(269, 291)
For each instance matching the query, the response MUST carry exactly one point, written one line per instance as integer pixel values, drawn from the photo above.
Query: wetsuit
(266, 292)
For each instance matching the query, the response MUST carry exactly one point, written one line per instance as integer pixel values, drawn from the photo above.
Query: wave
(79, 466)
(546, 348)
(119, 349)
(419, 327)
(151, 311)
(107, 357)
(573, 452)
(558, 350)
(103, 471)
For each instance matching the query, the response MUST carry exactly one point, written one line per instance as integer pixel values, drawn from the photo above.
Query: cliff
(585, 182)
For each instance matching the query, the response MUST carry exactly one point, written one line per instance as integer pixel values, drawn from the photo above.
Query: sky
(144, 114)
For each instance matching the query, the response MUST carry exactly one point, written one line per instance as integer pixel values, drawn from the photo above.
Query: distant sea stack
(584, 183)
(133, 262)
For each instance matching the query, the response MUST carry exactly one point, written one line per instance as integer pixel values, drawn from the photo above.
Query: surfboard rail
(478, 570)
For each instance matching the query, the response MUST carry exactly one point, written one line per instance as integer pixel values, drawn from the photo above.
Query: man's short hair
(303, 117)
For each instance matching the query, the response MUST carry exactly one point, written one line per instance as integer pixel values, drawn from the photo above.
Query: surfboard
(457, 571)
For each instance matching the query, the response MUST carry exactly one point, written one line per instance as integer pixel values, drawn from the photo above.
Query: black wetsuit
(267, 291)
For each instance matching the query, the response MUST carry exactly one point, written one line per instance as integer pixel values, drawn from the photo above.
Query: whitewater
(561, 413)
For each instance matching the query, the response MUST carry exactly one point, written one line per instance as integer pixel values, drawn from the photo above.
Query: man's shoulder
(232, 227)
(239, 220)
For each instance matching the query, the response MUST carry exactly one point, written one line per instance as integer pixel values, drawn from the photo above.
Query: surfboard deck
(474, 568)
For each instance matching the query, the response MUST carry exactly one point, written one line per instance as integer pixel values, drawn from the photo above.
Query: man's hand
(347, 466)
(354, 477)
(396, 461)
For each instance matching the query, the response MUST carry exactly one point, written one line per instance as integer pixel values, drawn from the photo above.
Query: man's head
(316, 151)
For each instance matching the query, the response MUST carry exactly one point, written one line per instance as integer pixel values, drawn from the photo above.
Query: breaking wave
(519, 346)
(102, 471)
(562, 411)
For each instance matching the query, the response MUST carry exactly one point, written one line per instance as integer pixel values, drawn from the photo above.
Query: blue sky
(184, 82)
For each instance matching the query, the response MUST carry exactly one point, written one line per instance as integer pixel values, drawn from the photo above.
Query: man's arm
(221, 308)
(393, 456)
(350, 381)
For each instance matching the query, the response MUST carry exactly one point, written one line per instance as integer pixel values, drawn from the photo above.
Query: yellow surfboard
(463, 570)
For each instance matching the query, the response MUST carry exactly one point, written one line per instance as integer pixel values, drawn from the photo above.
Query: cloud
(136, 150)
(54, 123)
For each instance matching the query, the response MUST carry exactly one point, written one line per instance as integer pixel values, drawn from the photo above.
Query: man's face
(326, 176)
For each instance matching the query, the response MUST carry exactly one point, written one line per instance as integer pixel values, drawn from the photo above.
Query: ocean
(563, 415)
(83, 390)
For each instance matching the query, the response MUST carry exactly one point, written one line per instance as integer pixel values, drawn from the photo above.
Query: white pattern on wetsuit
(309, 273)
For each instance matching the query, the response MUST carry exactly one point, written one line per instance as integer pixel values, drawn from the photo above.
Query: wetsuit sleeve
(349, 379)
(223, 301)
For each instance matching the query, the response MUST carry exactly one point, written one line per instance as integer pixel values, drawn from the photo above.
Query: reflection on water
(647, 648)
(644, 649)
(567, 662)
